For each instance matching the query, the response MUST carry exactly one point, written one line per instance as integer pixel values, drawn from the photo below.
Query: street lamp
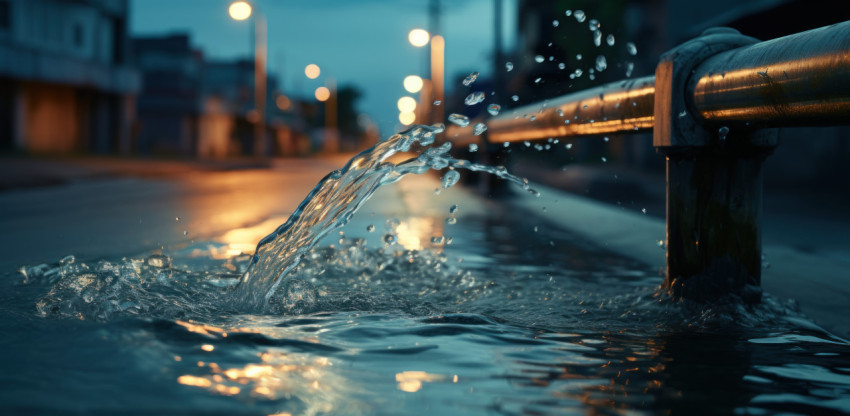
(420, 38)
(241, 10)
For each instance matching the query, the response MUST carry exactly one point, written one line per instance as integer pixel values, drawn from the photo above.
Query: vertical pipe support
(714, 182)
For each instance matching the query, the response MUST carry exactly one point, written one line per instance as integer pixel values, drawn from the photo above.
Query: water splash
(336, 198)
(474, 98)
(494, 109)
(459, 119)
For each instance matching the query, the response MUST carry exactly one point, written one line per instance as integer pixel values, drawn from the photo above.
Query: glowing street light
(406, 118)
(412, 84)
(239, 10)
(418, 37)
(312, 71)
(406, 104)
(323, 93)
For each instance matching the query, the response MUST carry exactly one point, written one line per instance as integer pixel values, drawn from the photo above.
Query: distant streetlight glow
(406, 118)
(239, 10)
(282, 102)
(323, 93)
(406, 104)
(418, 37)
(312, 71)
(412, 84)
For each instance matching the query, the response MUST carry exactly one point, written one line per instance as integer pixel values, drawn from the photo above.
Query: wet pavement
(114, 207)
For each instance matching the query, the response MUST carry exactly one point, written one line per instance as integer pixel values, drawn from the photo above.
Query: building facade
(66, 83)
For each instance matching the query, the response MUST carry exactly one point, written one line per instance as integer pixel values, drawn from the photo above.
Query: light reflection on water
(514, 328)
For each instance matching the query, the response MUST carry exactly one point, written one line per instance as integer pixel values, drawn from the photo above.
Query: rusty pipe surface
(801, 79)
(618, 107)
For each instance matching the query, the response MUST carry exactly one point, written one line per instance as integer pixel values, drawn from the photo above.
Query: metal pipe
(801, 79)
(619, 107)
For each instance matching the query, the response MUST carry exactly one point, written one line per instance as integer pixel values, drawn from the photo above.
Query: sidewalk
(28, 172)
(805, 236)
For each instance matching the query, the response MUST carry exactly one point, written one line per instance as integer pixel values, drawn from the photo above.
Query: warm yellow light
(406, 104)
(239, 10)
(322, 93)
(412, 83)
(418, 37)
(312, 71)
(407, 118)
(282, 102)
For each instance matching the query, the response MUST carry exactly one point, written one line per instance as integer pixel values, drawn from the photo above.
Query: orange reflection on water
(411, 381)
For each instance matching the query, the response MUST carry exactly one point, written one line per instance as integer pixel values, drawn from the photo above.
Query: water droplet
(568, 146)
(438, 128)
(609, 40)
(567, 121)
(630, 67)
(537, 80)
(577, 72)
(660, 244)
(568, 13)
(459, 119)
(560, 112)
(453, 209)
(562, 65)
(494, 109)
(389, 238)
(578, 56)
(643, 210)
(555, 23)
(509, 66)
(450, 178)
(370, 228)
(539, 59)
(551, 58)
(506, 144)
(597, 37)
(527, 143)
(631, 48)
(579, 15)
(474, 98)
(601, 63)
(532, 118)
(478, 129)
(722, 132)
(438, 102)
(535, 228)
(449, 241)
(515, 97)
(176, 218)
(606, 139)
(437, 240)
(451, 220)
(473, 147)
(593, 24)
(683, 114)
(185, 232)
(470, 79)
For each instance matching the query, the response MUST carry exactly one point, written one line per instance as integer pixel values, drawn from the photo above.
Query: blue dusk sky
(359, 42)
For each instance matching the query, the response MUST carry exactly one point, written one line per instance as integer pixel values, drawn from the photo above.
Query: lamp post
(241, 10)
(420, 38)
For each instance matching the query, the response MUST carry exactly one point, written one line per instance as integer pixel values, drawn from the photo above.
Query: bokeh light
(418, 37)
(322, 93)
(412, 83)
(312, 71)
(282, 102)
(406, 104)
(406, 117)
(239, 10)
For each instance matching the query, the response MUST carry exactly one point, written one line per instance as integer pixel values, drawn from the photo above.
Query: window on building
(5, 15)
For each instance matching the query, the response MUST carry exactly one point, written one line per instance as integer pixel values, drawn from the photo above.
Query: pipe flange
(675, 123)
